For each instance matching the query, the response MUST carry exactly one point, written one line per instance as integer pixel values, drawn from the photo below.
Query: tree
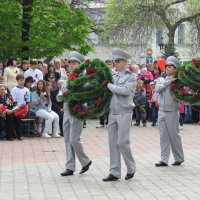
(136, 20)
(41, 28)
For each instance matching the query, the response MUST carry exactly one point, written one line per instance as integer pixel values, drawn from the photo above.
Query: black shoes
(136, 124)
(161, 164)
(154, 124)
(144, 124)
(67, 172)
(85, 169)
(110, 177)
(129, 176)
(177, 163)
(9, 139)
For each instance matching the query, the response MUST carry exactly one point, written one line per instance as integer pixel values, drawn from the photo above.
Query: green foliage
(135, 21)
(53, 28)
(87, 91)
(186, 87)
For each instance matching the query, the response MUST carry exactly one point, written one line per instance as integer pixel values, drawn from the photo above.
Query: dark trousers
(181, 118)
(154, 113)
(104, 119)
(61, 123)
(140, 113)
(2, 128)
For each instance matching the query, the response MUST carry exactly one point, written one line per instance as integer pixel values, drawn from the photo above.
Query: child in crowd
(139, 100)
(153, 98)
(20, 95)
(181, 112)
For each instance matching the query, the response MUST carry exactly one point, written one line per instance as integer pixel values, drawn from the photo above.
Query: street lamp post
(162, 45)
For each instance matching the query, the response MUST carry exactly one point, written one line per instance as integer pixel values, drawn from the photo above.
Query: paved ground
(30, 169)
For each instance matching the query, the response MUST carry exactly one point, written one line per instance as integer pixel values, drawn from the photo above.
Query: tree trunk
(26, 19)
(170, 49)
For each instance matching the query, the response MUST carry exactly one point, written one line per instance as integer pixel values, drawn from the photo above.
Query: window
(159, 36)
(181, 34)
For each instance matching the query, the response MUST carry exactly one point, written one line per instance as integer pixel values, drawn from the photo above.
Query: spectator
(153, 99)
(181, 113)
(24, 66)
(61, 71)
(50, 77)
(136, 70)
(6, 129)
(34, 72)
(20, 95)
(51, 69)
(58, 106)
(10, 73)
(42, 102)
(139, 100)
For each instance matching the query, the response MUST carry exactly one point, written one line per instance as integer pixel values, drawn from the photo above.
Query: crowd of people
(143, 89)
(41, 84)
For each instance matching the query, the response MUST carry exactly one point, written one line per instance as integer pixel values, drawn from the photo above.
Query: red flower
(87, 61)
(99, 101)
(173, 86)
(181, 93)
(73, 76)
(194, 60)
(91, 71)
(21, 112)
(195, 94)
(105, 82)
(64, 94)
(76, 108)
(85, 111)
(182, 72)
(9, 112)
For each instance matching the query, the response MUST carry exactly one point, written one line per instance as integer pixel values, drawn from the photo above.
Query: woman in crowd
(51, 69)
(24, 66)
(42, 103)
(61, 71)
(10, 73)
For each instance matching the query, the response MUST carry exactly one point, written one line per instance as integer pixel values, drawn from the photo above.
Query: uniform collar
(121, 73)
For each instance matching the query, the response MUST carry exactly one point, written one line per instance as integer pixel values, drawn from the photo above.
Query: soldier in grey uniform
(120, 116)
(72, 127)
(168, 117)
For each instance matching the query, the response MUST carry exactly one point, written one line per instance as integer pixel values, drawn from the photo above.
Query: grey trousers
(168, 124)
(72, 128)
(118, 132)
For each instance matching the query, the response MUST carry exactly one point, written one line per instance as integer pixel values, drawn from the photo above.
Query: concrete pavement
(30, 169)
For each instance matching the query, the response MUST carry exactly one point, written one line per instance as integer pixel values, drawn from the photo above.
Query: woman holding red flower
(72, 127)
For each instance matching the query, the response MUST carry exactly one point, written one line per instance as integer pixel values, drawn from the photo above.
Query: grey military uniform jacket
(166, 101)
(123, 92)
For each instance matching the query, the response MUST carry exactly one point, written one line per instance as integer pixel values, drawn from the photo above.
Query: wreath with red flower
(187, 86)
(88, 95)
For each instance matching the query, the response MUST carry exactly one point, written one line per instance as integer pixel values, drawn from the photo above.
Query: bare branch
(186, 19)
(174, 3)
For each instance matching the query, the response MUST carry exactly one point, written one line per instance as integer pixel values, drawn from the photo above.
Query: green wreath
(187, 86)
(88, 96)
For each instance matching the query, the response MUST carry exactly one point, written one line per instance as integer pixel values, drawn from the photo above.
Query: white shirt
(35, 73)
(20, 95)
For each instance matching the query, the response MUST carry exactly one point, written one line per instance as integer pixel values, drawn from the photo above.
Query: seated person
(42, 103)
(6, 124)
(20, 95)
